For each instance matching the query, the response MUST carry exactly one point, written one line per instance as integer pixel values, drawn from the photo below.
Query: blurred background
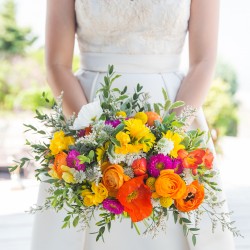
(22, 81)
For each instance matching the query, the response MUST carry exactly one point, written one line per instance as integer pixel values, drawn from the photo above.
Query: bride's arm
(60, 38)
(203, 36)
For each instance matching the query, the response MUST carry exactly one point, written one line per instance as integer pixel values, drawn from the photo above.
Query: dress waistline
(130, 63)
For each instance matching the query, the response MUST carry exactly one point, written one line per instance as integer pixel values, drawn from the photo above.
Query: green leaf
(124, 90)
(11, 169)
(111, 69)
(76, 221)
(122, 98)
(58, 192)
(167, 105)
(116, 90)
(41, 132)
(194, 239)
(67, 218)
(185, 229)
(165, 94)
(175, 217)
(100, 233)
(119, 128)
(66, 224)
(30, 126)
(186, 220)
(168, 118)
(177, 104)
(177, 124)
(114, 78)
(157, 109)
(50, 181)
(111, 149)
(91, 155)
(83, 159)
(115, 141)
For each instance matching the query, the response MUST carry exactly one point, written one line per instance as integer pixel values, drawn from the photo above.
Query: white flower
(79, 176)
(164, 146)
(88, 113)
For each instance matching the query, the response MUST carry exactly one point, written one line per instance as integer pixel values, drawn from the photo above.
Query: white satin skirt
(153, 73)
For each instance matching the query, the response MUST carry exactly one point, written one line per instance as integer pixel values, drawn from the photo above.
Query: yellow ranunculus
(89, 200)
(141, 116)
(60, 142)
(176, 139)
(101, 193)
(95, 196)
(121, 114)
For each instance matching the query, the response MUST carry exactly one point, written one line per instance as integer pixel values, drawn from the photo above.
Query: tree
(14, 40)
(227, 73)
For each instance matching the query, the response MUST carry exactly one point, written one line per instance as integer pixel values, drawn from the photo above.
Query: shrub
(221, 109)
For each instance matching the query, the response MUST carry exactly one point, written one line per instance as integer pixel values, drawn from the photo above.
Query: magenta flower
(113, 206)
(177, 166)
(157, 163)
(81, 133)
(113, 123)
(74, 162)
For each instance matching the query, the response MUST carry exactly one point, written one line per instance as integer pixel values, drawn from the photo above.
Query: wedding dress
(143, 39)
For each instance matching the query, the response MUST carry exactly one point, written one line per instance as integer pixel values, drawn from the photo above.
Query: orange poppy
(135, 196)
(193, 198)
(208, 159)
(192, 159)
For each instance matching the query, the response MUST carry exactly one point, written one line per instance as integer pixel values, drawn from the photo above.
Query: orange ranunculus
(113, 178)
(135, 196)
(152, 117)
(192, 159)
(208, 159)
(170, 184)
(56, 171)
(193, 198)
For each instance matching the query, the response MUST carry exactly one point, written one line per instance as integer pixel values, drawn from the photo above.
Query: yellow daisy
(176, 139)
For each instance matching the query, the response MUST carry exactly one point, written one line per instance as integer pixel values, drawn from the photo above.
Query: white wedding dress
(143, 39)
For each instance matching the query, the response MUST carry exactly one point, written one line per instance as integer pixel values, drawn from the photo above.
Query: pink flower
(177, 166)
(73, 161)
(113, 206)
(157, 163)
(113, 123)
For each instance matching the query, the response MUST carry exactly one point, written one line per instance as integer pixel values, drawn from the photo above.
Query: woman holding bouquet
(143, 39)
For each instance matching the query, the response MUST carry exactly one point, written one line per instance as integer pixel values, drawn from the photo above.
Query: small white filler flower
(164, 146)
(88, 113)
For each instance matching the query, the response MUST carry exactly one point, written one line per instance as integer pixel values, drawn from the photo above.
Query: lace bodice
(132, 26)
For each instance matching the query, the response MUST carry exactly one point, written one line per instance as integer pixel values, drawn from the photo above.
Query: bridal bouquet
(125, 158)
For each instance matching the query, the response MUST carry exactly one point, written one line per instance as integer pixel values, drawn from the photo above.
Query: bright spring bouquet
(125, 158)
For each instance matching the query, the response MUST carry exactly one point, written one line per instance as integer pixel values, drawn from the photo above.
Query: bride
(143, 39)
